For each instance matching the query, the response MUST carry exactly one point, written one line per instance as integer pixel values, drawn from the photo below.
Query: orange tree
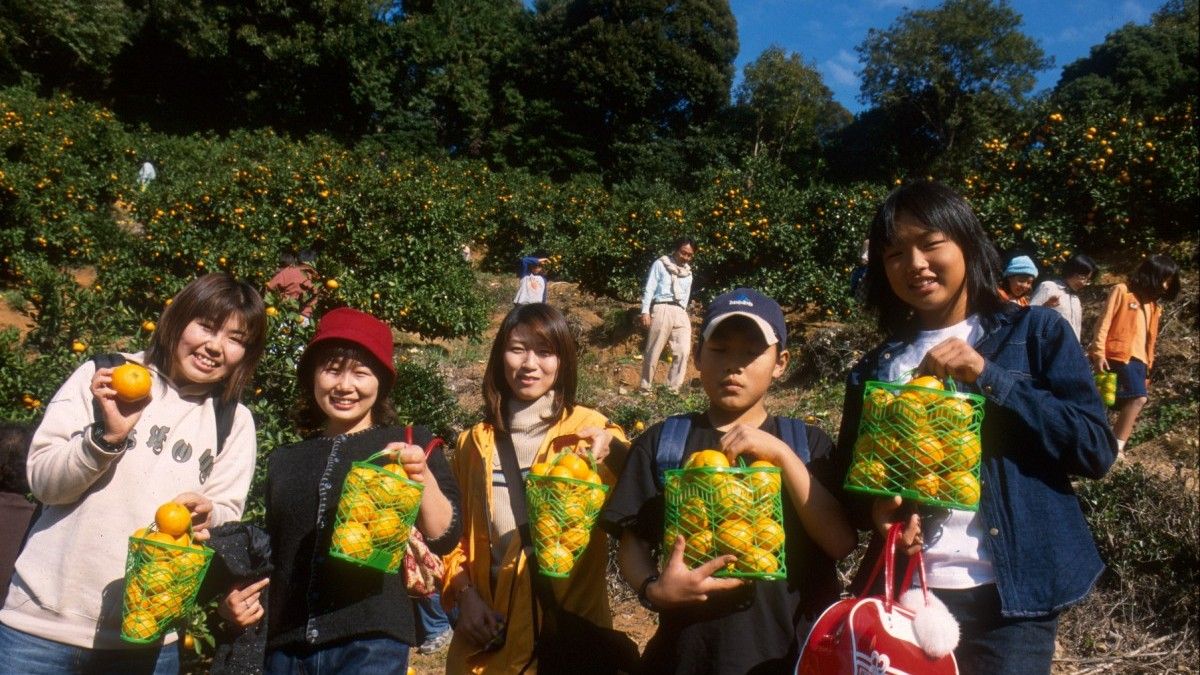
(1098, 181)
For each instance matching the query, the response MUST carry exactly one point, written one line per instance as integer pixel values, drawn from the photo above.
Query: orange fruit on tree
(173, 519)
(332, 284)
(79, 346)
(735, 535)
(961, 487)
(131, 381)
(707, 459)
(353, 539)
(768, 534)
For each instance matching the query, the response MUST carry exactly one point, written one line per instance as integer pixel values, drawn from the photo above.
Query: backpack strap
(674, 433)
(795, 434)
(672, 438)
(225, 410)
(111, 360)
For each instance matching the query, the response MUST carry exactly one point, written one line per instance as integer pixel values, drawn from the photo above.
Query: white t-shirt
(954, 553)
(531, 289)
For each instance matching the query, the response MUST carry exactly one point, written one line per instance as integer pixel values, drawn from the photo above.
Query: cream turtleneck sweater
(528, 422)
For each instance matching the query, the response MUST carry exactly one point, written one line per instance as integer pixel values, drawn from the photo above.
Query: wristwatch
(97, 437)
(641, 595)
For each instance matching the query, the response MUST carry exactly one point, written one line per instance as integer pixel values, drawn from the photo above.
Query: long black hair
(1147, 281)
(940, 209)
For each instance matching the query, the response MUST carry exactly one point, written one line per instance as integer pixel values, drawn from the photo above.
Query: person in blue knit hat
(1018, 280)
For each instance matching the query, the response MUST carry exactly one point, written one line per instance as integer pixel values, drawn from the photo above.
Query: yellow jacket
(584, 593)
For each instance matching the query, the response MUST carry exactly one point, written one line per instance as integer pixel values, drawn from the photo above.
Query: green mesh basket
(161, 581)
(1106, 382)
(562, 512)
(734, 510)
(920, 443)
(375, 515)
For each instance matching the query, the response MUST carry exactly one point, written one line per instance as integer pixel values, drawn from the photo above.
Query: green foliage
(961, 67)
(421, 397)
(1148, 68)
(1144, 526)
(1108, 179)
(789, 108)
(66, 42)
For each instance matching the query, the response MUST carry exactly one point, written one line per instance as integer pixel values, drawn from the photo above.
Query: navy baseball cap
(747, 302)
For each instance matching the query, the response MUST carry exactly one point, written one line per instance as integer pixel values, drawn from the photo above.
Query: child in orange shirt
(1126, 335)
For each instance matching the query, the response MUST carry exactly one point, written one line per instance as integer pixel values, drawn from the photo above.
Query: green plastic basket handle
(907, 376)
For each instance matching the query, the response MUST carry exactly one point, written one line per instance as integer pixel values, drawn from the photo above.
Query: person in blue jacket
(1007, 570)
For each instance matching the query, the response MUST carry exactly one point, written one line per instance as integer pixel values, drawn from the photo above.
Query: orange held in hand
(131, 382)
(173, 519)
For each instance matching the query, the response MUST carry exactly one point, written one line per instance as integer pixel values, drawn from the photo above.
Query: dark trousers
(995, 645)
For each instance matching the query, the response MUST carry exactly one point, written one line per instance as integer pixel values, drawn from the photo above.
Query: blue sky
(825, 33)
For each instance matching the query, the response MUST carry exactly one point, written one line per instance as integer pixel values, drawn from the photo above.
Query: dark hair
(14, 446)
(548, 324)
(287, 259)
(1147, 280)
(1079, 264)
(214, 297)
(940, 209)
(683, 241)
(310, 419)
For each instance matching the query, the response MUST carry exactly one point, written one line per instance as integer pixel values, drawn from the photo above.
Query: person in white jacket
(1062, 295)
(101, 477)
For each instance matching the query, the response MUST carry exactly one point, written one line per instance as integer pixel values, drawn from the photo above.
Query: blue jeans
(431, 618)
(992, 644)
(25, 654)
(368, 656)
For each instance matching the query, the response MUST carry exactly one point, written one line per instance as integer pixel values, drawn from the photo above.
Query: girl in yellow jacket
(1126, 333)
(529, 399)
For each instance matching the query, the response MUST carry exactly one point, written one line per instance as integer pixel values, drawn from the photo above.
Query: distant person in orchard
(1126, 336)
(146, 175)
(532, 287)
(1018, 280)
(1062, 295)
(295, 281)
(664, 314)
(103, 461)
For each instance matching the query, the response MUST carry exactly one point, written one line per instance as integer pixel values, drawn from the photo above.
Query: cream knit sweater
(69, 579)
(528, 423)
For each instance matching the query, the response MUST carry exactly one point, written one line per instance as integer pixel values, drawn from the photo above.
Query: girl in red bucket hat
(322, 609)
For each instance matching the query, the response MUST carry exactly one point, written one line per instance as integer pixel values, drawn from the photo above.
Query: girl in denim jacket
(1007, 570)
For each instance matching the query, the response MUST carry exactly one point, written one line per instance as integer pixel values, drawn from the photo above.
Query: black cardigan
(318, 600)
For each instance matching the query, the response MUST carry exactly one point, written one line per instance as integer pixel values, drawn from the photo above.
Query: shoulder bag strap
(543, 594)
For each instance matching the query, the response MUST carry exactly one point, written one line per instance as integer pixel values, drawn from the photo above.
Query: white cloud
(840, 70)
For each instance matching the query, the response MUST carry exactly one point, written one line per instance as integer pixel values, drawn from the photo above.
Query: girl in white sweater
(101, 476)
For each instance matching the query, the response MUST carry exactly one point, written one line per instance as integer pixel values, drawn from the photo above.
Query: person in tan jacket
(1126, 335)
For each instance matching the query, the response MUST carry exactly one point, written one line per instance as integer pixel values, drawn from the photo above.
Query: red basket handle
(887, 562)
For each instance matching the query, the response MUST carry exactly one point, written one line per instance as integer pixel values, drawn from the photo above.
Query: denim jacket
(1043, 423)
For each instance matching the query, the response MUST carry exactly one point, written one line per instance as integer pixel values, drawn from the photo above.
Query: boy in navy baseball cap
(741, 350)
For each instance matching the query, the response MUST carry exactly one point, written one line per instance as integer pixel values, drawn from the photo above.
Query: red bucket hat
(356, 327)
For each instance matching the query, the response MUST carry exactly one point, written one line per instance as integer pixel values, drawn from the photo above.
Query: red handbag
(871, 635)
